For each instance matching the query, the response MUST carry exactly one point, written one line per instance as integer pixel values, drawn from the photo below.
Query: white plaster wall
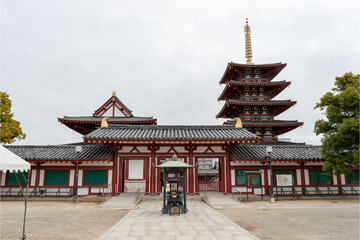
(33, 178)
(72, 178)
(247, 163)
(298, 176)
(200, 150)
(83, 191)
(80, 177)
(96, 190)
(57, 164)
(110, 177)
(268, 174)
(306, 173)
(136, 169)
(241, 189)
(232, 177)
(262, 176)
(99, 164)
(335, 180)
(163, 149)
(125, 150)
(143, 149)
(133, 186)
(3, 176)
(180, 149)
(41, 178)
(342, 177)
(218, 149)
(257, 191)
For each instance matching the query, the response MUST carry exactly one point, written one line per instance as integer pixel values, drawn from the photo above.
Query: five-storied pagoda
(249, 92)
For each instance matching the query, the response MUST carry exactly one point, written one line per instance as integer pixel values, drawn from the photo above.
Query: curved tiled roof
(273, 123)
(61, 152)
(174, 132)
(111, 120)
(272, 83)
(280, 152)
(272, 102)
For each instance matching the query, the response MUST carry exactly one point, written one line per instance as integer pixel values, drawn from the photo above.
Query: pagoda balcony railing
(253, 79)
(254, 98)
(257, 118)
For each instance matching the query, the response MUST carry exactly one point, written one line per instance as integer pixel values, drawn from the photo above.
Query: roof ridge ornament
(248, 48)
(104, 122)
(238, 123)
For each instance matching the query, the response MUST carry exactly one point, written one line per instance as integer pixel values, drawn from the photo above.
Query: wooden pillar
(228, 168)
(115, 167)
(302, 167)
(37, 179)
(146, 176)
(191, 170)
(121, 174)
(153, 179)
(222, 173)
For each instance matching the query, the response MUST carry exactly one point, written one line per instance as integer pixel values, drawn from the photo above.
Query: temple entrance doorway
(208, 174)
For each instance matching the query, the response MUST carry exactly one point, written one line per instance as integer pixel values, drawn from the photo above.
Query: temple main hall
(119, 150)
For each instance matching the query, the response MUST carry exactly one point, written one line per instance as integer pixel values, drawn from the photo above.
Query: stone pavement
(123, 201)
(201, 222)
(220, 201)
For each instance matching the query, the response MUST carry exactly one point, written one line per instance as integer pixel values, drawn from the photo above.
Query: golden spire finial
(114, 94)
(248, 49)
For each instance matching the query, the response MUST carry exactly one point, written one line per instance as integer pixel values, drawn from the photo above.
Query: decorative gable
(113, 107)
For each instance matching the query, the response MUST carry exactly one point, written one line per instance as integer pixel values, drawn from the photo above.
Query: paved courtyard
(297, 220)
(307, 219)
(201, 222)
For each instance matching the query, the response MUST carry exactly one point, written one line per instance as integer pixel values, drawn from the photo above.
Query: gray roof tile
(61, 152)
(174, 132)
(111, 120)
(280, 152)
(267, 123)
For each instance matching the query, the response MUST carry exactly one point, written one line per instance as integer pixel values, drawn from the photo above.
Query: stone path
(201, 222)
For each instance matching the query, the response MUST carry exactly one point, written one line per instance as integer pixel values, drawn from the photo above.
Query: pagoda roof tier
(279, 126)
(86, 124)
(173, 133)
(231, 107)
(272, 123)
(280, 152)
(62, 152)
(272, 69)
(275, 87)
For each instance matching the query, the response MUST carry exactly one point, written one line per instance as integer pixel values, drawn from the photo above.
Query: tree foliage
(340, 142)
(10, 129)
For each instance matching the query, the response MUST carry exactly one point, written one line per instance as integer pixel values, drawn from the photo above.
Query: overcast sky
(165, 58)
